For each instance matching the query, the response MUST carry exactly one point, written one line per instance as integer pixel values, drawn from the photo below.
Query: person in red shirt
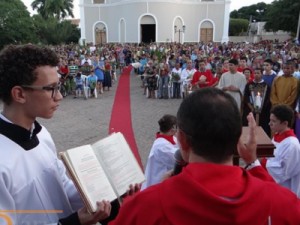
(217, 76)
(203, 77)
(210, 190)
(247, 72)
(63, 69)
(243, 65)
(107, 82)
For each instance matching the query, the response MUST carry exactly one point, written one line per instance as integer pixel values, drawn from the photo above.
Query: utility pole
(298, 30)
(249, 26)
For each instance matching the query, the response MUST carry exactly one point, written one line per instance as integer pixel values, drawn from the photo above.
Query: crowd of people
(258, 76)
(85, 74)
(209, 189)
(208, 126)
(263, 82)
(172, 70)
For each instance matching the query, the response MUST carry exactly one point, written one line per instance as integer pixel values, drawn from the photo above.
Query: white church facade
(136, 21)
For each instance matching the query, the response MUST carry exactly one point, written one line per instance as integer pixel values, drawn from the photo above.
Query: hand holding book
(102, 212)
(103, 170)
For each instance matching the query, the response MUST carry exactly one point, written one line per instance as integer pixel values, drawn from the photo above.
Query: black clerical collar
(25, 138)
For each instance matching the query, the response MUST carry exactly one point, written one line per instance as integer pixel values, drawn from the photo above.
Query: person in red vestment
(248, 73)
(225, 66)
(242, 66)
(203, 77)
(210, 190)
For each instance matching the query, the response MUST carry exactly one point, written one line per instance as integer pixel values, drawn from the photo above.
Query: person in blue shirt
(92, 82)
(268, 73)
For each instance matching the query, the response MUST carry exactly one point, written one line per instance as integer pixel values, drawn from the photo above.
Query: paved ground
(78, 121)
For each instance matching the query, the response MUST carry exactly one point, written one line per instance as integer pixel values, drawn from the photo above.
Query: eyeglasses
(54, 89)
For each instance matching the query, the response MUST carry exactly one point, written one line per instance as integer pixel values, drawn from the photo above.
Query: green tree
(238, 26)
(283, 15)
(257, 12)
(15, 23)
(59, 9)
(74, 36)
(53, 31)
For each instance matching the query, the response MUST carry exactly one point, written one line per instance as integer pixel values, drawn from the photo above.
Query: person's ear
(18, 94)
(184, 143)
(285, 123)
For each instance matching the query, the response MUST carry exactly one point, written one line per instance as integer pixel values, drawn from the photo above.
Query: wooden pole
(257, 119)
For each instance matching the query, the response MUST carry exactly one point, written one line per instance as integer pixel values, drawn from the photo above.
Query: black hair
(233, 61)
(290, 63)
(211, 120)
(18, 64)
(283, 113)
(201, 61)
(259, 69)
(243, 58)
(246, 70)
(167, 122)
(269, 61)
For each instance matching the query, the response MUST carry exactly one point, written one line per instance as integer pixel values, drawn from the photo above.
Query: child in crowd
(161, 158)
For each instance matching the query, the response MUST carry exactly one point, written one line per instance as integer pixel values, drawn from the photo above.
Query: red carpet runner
(120, 120)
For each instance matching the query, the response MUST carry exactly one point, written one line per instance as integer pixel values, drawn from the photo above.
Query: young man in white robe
(233, 82)
(33, 181)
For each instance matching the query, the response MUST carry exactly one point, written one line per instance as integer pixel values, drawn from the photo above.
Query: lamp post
(179, 31)
(298, 31)
(260, 15)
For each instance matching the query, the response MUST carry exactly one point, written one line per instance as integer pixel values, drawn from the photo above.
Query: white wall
(191, 12)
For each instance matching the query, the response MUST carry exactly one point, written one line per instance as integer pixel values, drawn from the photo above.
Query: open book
(103, 170)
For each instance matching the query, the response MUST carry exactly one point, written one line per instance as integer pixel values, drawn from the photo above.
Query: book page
(119, 162)
(90, 175)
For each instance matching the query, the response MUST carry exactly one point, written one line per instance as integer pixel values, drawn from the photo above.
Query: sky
(235, 5)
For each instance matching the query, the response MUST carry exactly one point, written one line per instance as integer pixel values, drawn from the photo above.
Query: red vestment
(241, 70)
(209, 194)
(207, 74)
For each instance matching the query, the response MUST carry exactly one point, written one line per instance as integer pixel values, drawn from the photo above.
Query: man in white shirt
(233, 82)
(86, 59)
(186, 77)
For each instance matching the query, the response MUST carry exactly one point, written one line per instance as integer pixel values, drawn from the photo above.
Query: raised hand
(248, 151)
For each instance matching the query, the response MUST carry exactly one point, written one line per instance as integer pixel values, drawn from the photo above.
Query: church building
(136, 21)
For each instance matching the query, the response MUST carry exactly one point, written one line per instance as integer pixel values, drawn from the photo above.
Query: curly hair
(18, 64)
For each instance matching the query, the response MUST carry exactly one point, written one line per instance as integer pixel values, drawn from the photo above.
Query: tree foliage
(279, 15)
(17, 27)
(60, 9)
(238, 26)
(15, 23)
(53, 31)
(257, 12)
(283, 15)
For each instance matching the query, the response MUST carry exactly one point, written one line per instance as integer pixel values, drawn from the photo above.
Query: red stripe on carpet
(120, 120)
